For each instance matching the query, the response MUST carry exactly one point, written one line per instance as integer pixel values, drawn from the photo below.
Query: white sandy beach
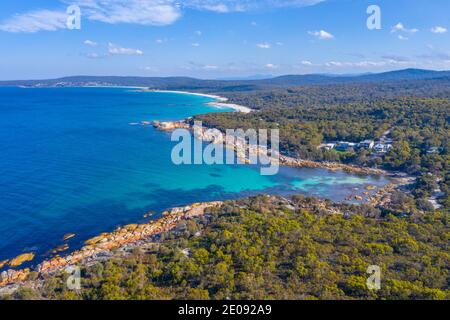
(221, 101)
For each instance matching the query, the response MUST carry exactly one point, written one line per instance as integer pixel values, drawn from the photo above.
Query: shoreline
(221, 102)
(102, 245)
(284, 160)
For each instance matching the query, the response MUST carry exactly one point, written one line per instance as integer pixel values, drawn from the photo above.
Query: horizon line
(236, 78)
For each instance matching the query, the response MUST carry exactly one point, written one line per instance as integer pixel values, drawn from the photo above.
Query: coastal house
(327, 146)
(434, 150)
(366, 144)
(344, 146)
(382, 148)
(386, 140)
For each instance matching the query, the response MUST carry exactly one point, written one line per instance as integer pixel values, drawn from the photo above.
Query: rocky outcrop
(126, 235)
(383, 197)
(170, 125)
(19, 260)
(105, 242)
(13, 276)
(332, 166)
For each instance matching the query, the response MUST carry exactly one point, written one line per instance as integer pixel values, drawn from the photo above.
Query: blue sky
(220, 38)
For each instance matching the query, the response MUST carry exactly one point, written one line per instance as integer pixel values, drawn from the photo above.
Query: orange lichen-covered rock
(68, 236)
(13, 276)
(108, 241)
(97, 239)
(61, 248)
(131, 227)
(3, 263)
(19, 260)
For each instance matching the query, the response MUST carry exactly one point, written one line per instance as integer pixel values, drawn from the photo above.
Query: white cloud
(271, 66)
(439, 29)
(149, 68)
(199, 33)
(322, 34)
(369, 64)
(401, 28)
(90, 43)
(195, 44)
(402, 37)
(219, 7)
(161, 40)
(436, 60)
(334, 64)
(96, 56)
(210, 67)
(224, 6)
(202, 67)
(142, 12)
(264, 45)
(42, 20)
(117, 50)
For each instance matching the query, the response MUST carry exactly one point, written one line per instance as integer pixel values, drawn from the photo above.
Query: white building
(382, 148)
(367, 144)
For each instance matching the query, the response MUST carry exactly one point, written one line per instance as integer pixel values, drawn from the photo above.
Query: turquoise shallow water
(70, 162)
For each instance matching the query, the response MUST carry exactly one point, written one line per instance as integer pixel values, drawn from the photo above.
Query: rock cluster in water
(105, 242)
(19, 260)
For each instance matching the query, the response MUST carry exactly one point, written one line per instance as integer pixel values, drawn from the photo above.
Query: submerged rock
(61, 248)
(68, 236)
(3, 263)
(19, 260)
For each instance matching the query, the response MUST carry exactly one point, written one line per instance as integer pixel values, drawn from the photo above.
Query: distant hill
(400, 75)
(186, 83)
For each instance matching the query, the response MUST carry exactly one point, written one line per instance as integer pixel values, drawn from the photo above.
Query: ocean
(71, 162)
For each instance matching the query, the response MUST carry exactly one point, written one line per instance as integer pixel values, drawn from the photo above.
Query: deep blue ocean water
(70, 162)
